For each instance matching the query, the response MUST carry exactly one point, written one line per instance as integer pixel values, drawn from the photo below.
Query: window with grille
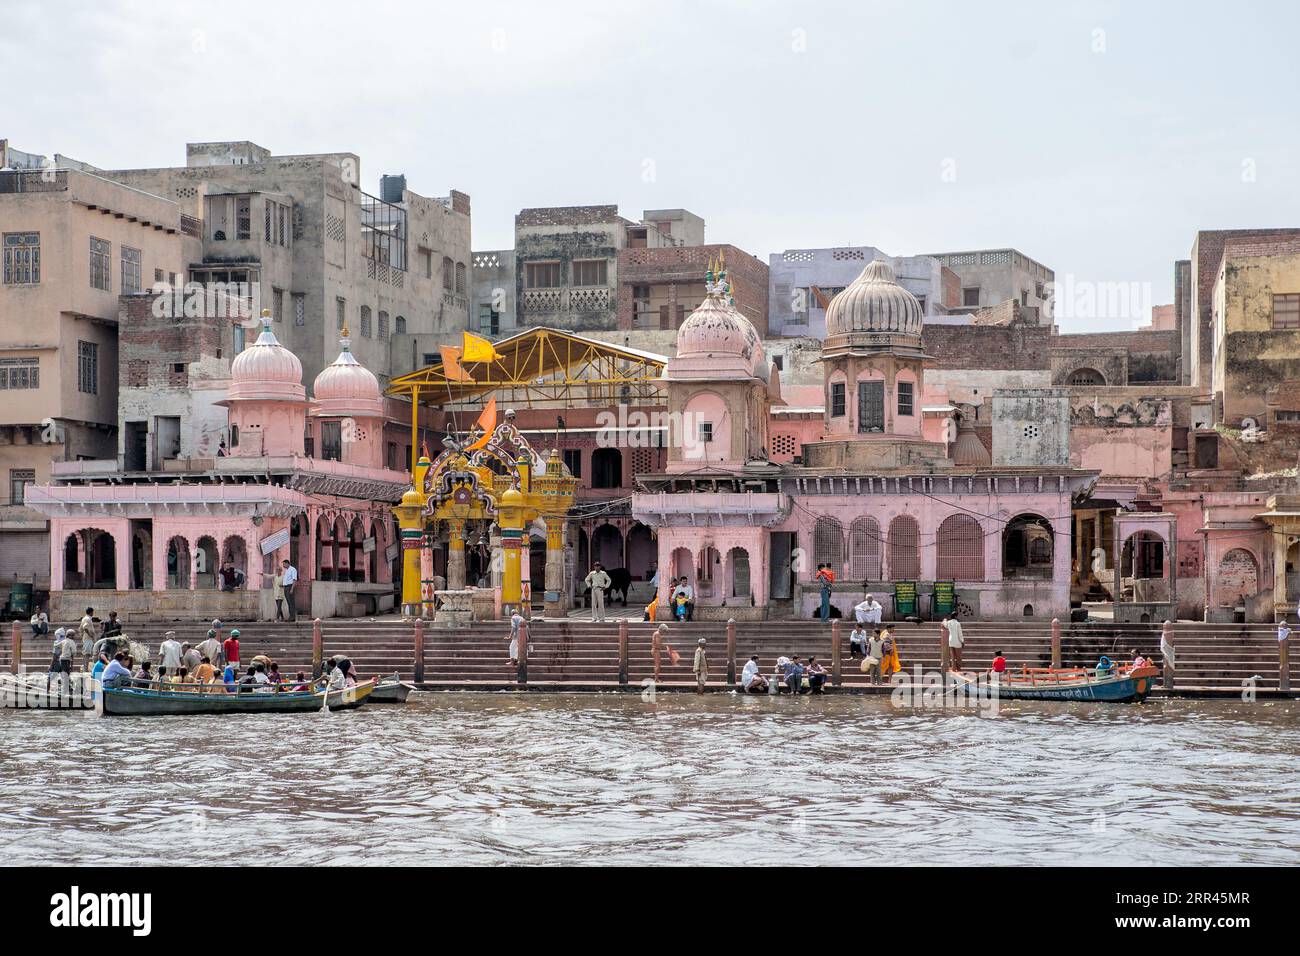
(20, 373)
(19, 479)
(864, 549)
(1085, 376)
(489, 319)
(573, 461)
(88, 368)
(447, 276)
(959, 549)
(706, 432)
(399, 325)
(299, 308)
(871, 406)
(828, 543)
(1286, 311)
(268, 212)
(281, 224)
(22, 258)
(590, 272)
(460, 278)
(544, 275)
(383, 324)
(277, 304)
(340, 312)
(132, 278)
(904, 549)
(365, 321)
(905, 396)
(243, 217)
(101, 257)
(837, 399)
(970, 297)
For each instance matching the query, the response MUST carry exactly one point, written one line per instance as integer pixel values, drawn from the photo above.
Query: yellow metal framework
(542, 364)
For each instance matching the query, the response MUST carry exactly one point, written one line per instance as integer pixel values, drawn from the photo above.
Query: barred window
(460, 278)
(340, 312)
(383, 324)
(447, 275)
(20, 373)
(19, 479)
(590, 272)
(365, 321)
(864, 549)
(543, 275)
(959, 549)
(277, 304)
(299, 308)
(828, 543)
(904, 549)
(905, 394)
(243, 218)
(399, 325)
(101, 264)
(837, 399)
(268, 209)
(88, 368)
(131, 270)
(1286, 311)
(22, 258)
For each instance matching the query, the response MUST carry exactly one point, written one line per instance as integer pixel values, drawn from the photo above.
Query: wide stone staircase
(575, 654)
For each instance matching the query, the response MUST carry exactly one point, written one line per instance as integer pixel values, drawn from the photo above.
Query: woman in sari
(889, 663)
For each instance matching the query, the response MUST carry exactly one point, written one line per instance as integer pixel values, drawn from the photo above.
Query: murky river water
(496, 778)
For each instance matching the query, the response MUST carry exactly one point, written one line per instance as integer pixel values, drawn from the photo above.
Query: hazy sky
(1094, 137)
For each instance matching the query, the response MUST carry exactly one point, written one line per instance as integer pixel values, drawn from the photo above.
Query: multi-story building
(320, 252)
(989, 277)
(658, 288)
(566, 261)
(802, 283)
(72, 243)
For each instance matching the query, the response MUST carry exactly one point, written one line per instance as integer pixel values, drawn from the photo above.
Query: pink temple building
(153, 545)
(884, 493)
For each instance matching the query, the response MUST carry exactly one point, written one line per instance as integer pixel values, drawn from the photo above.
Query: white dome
(266, 369)
(874, 302)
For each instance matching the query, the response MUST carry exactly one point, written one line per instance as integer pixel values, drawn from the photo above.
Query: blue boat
(1114, 684)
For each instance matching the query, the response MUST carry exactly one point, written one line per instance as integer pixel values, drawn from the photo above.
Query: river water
(613, 779)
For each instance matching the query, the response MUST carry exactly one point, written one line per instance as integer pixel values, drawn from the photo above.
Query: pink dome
(266, 370)
(718, 338)
(347, 387)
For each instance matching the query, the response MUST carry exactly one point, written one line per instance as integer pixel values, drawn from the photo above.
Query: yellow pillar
(410, 522)
(511, 520)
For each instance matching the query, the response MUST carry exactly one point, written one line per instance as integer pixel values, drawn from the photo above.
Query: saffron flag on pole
(478, 349)
(451, 365)
(487, 423)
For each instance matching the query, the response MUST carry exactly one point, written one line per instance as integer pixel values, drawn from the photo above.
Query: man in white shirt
(689, 593)
(288, 580)
(857, 642)
(210, 647)
(87, 631)
(169, 653)
(599, 582)
(869, 611)
(40, 623)
(751, 681)
(953, 627)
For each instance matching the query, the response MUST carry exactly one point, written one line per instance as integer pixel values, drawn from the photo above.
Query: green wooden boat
(155, 701)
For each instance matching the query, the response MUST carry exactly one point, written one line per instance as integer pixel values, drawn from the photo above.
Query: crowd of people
(100, 649)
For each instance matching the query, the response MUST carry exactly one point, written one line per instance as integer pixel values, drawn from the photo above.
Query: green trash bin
(20, 600)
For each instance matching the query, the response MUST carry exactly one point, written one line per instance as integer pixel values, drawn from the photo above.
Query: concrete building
(566, 261)
(656, 287)
(802, 283)
(72, 243)
(320, 252)
(991, 276)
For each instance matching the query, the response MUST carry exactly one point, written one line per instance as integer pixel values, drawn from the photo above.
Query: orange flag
(451, 364)
(487, 422)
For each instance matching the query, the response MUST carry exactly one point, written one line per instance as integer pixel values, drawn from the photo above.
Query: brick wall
(987, 346)
(950, 288)
(566, 216)
(688, 264)
(150, 348)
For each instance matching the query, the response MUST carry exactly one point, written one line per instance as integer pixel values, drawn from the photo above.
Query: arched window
(828, 544)
(864, 549)
(399, 325)
(904, 549)
(959, 549)
(1027, 547)
(1238, 578)
(383, 324)
(738, 562)
(447, 275)
(1086, 376)
(460, 278)
(365, 321)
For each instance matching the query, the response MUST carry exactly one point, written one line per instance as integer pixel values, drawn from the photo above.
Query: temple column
(555, 532)
(428, 602)
(455, 556)
(1280, 599)
(122, 558)
(194, 564)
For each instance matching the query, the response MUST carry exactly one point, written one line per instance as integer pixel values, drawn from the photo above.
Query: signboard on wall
(904, 598)
(367, 545)
(393, 550)
(274, 542)
(945, 597)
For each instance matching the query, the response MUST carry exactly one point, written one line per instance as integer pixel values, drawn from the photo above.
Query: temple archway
(1028, 547)
(178, 564)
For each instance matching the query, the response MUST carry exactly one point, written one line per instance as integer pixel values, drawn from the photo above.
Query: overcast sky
(1094, 137)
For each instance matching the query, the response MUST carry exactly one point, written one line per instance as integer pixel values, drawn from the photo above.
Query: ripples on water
(504, 778)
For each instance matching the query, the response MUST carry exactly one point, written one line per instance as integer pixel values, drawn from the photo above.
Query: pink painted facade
(157, 544)
(876, 497)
